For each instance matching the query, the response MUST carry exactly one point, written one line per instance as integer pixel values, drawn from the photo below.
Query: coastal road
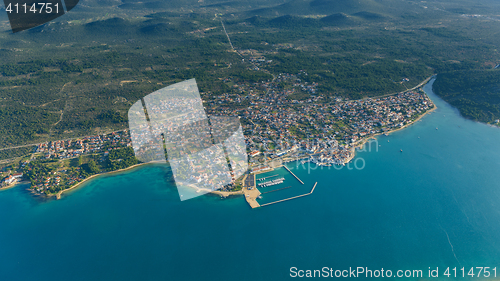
(36, 144)
(408, 90)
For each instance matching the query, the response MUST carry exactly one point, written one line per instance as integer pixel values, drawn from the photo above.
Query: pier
(271, 183)
(276, 190)
(251, 192)
(293, 174)
(294, 197)
(264, 178)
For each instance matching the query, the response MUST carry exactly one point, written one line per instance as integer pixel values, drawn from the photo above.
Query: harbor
(290, 198)
(252, 193)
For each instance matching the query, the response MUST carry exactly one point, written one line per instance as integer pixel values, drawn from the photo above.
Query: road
(74, 138)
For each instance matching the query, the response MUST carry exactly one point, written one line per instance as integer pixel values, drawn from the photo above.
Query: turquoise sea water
(436, 204)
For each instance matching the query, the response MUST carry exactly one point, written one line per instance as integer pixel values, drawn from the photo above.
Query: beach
(13, 185)
(58, 194)
(362, 142)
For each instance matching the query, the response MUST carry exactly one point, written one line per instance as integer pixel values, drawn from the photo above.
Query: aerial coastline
(281, 161)
(60, 193)
(226, 194)
(59, 166)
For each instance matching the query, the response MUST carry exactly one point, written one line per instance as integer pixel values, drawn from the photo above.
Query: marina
(252, 193)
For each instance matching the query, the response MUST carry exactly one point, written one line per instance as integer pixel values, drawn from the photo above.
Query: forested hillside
(476, 94)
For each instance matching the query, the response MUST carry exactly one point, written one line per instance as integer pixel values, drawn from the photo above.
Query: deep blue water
(436, 204)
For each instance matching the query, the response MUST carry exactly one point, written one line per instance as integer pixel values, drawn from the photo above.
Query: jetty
(293, 174)
(251, 192)
(276, 190)
(271, 183)
(264, 178)
(294, 197)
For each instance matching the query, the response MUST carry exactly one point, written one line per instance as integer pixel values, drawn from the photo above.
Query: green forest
(476, 94)
(79, 77)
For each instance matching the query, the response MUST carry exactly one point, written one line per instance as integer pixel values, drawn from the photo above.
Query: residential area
(284, 119)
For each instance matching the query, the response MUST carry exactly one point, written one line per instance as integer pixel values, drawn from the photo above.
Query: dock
(276, 190)
(294, 197)
(264, 178)
(272, 182)
(251, 194)
(294, 174)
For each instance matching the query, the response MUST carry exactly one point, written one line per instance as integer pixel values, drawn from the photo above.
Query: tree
(91, 167)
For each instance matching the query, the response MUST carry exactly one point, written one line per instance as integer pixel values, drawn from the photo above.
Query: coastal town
(318, 129)
(321, 129)
(58, 165)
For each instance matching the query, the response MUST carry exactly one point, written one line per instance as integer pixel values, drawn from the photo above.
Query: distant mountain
(307, 7)
(157, 29)
(337, 19)
(162, 15)
(368, 15)
(111, 27)
(225, 4)
(108, 23)
(293, 21)
(345, 6)
(361, 9)
(134, 4)
(256, 20)
(128, 5)
(289, 21)
(293, 7)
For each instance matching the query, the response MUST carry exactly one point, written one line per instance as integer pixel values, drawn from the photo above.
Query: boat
(401, 150)
(260, 197)
(436, 128)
